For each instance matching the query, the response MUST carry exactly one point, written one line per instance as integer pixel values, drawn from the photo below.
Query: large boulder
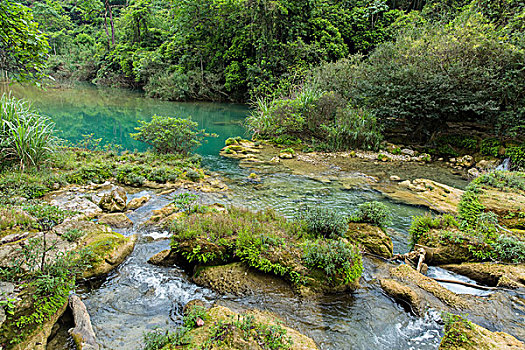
(114, 201)
(238, 279)
(492, 274)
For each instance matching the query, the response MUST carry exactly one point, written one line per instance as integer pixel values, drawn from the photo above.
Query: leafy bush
(323, 222)
(375, 213)
(469, 208)
(340, 260)
(510, 249)
(516, 154)
(502, 180)
(170, 135)
(26, 138)
(490, 147)
(353, 128)
(422, 224)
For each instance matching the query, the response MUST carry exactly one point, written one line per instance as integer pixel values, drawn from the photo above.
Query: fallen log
(82, 333)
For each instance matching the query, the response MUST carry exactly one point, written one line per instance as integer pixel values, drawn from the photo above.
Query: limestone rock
(473, 172)
(237, 279)
(487, 164)
(77, 203)
(136, 203)
(110, 249)
(114, 201)
(466, 161)
(373, 238)
(424, 192)
(408, 152)
(117, 220)
(236, 339)
(477, 338)
(286, 155)
(403, 293)
(395, 178)
(163, 258)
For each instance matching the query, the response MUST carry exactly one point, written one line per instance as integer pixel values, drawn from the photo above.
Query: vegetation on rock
(269, 243)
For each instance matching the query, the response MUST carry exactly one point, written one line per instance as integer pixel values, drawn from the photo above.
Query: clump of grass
(26, 138)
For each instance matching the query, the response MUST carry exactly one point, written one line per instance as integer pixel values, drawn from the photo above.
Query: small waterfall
(504, 166)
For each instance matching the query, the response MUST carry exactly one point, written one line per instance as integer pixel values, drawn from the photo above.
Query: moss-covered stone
(223, 329)
(108, 250)
(405, 273)
(373, 238)
(266, 242)
(238, 279)
(465, 335)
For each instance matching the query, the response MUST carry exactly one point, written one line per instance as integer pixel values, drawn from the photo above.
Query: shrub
(422, 224)
(375, 213)
(323, 222)
(340, 260)
(516, 154)
(353, 128)
(510, 249)
(469, 208)
(26, 138)
(170, 135)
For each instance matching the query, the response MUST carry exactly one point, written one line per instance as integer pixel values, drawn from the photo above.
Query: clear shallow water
(138, 297)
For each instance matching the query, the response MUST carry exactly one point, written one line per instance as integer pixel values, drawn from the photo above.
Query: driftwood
(83, 333)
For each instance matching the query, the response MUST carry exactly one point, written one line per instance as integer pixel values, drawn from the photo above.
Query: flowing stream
(138, 297)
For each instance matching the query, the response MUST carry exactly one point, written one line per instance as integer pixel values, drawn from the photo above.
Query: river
(139, 297)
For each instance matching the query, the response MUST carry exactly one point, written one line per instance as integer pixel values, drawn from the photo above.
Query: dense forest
(333, 73)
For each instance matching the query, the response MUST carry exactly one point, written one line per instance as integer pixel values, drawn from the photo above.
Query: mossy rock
(492, 274)
(440, 251)
(109, 250)
(238, 279)
(464, 335)
(233, 338)
(31, 336)
(373, 238)
(417, 281)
